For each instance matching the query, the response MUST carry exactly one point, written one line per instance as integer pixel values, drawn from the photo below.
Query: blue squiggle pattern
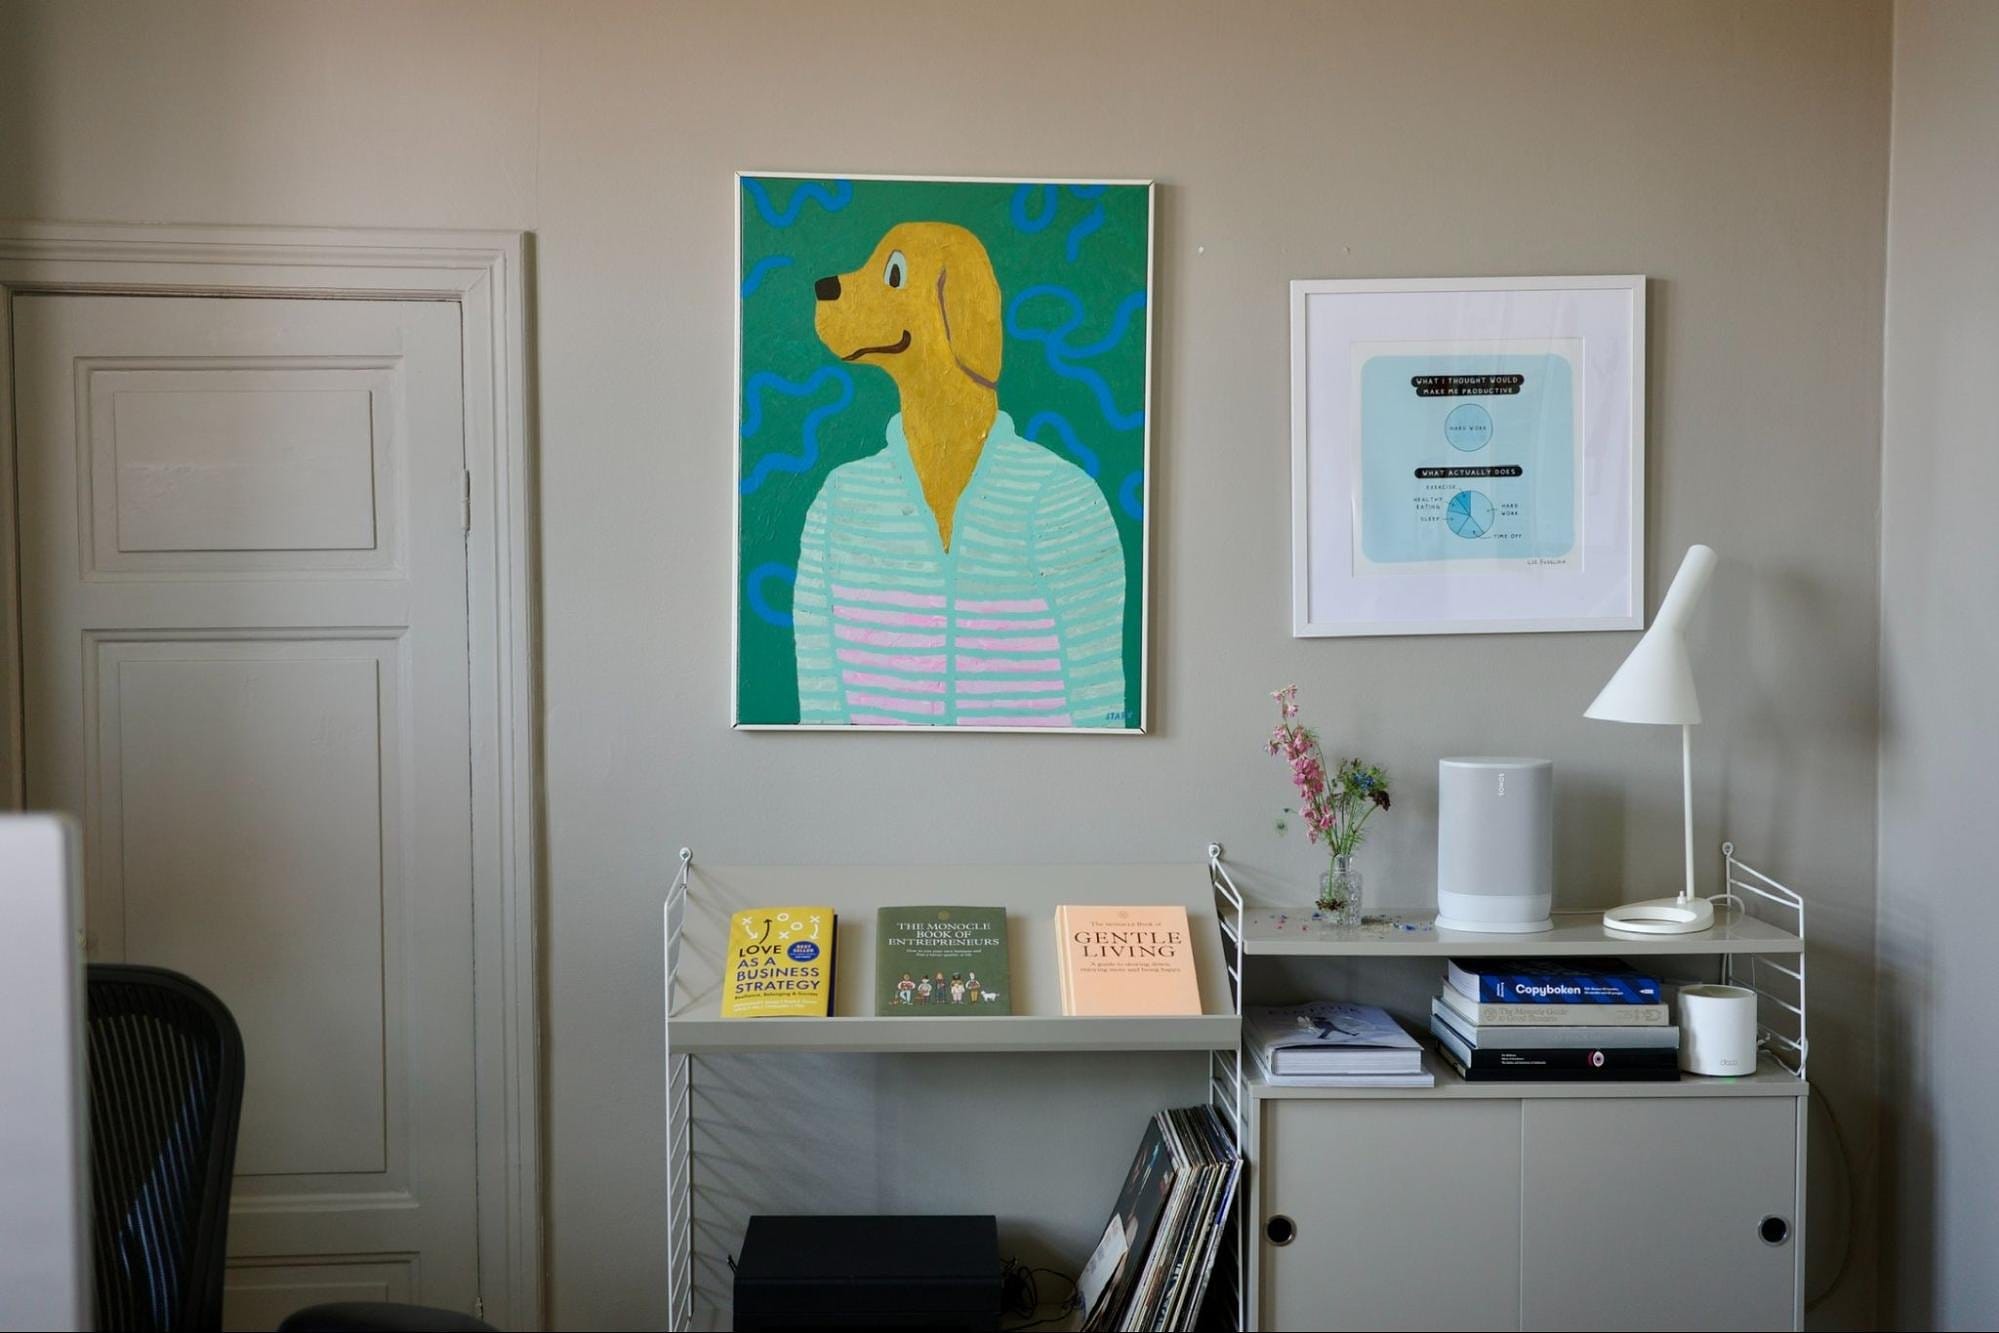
(1072, 247)
(1120, 317)
(1040, 221)
(753, 589)
(808, 456)
(1046, 199)
(1055, 345)
(832, 200)
(1084, 454)
(1131, 496)
(762, 269)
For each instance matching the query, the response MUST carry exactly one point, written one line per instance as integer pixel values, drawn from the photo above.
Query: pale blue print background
(1405, 520)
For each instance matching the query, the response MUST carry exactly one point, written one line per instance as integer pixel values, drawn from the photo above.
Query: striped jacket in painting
(1021, 624)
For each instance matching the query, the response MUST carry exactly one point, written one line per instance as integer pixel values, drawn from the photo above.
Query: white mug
(1718, 1030)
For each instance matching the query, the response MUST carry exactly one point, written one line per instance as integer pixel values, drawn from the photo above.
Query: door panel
(1636, 1226)
(1420, 1230)
(270, 750)
(244, 634)
(237, 466)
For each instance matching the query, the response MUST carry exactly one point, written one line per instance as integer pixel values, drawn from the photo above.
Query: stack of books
(1326, 1044)
(1154, 1265)
(1536, 1020)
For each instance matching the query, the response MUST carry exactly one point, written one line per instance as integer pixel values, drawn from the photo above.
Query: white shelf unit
(702, 899)
(1235, 943)
(1361, 1177)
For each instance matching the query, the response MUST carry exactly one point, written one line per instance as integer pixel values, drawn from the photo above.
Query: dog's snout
(827, 288)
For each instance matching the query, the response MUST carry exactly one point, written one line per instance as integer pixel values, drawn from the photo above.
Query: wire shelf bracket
(1780, 989)
(679, 1124)
(1226, 1082)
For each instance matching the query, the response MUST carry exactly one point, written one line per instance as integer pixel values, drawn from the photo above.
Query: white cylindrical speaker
(1495, 844)
(1718, 1030)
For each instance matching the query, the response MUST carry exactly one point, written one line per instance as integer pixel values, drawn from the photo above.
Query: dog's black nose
(827, 289)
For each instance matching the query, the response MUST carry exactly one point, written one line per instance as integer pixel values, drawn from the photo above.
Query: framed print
(943, 448)
(1467, 455)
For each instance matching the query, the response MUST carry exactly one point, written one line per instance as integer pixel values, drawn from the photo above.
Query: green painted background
(830, 225)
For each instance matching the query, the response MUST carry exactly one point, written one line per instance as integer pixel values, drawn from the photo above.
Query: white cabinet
(1657, 1207)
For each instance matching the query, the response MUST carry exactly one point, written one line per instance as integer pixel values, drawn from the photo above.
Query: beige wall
(1735, 152)
(1940, 643)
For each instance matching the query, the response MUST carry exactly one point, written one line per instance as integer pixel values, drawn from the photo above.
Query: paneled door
(244, 641)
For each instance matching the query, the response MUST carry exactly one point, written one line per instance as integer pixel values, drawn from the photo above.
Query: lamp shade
(1656, 683)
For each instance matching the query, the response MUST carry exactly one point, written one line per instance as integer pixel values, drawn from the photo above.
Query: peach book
(1123, 961)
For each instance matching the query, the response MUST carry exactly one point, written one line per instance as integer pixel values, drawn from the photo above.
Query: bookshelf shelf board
(1030, 895)
(1293, 931)
(712, 1035)
(1770, 1080)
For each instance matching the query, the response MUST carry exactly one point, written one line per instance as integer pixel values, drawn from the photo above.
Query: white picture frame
(1523, 505)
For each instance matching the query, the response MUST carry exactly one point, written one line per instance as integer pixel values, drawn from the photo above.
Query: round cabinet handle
(1774, 1230)
(1281, 1230)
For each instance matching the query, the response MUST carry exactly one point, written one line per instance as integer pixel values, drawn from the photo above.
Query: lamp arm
(1687, 801)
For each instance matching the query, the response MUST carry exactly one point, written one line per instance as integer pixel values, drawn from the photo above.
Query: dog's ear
(969, 297)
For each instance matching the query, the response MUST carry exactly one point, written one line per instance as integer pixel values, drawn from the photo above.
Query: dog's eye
(897, 269)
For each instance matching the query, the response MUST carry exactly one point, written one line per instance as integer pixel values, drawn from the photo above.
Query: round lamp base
(1661, 916)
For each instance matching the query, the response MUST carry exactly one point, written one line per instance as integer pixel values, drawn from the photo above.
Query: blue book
(1545, 981)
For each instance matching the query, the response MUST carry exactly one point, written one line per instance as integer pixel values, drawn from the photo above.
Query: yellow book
(780, 963)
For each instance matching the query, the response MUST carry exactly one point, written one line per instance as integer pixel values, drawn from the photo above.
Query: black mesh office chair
(166, 1094)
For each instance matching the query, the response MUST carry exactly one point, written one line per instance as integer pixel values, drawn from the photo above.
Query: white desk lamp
(1656, 685)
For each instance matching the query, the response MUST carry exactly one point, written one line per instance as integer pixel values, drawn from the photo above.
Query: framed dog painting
(942, 444)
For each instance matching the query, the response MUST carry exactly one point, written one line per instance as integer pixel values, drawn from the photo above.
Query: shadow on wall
(1591, 807)
(1759, 741)
(1784, 606)
(1908, 1168)
(20, 93)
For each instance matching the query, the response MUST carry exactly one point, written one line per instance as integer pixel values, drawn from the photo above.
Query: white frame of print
(735, 475)
(1630, 499)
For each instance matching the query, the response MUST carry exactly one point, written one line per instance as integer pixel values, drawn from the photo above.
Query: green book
(941, 962)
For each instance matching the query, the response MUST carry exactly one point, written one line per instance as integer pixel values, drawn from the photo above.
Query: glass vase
(1339, 892)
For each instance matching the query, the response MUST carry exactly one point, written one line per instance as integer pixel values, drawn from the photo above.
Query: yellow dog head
(925, 307)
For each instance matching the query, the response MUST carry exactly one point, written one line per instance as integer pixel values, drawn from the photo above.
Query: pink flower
(1333, 804)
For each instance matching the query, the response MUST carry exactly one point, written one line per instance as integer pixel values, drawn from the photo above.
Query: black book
(1604, 1073)
(1590, 1061)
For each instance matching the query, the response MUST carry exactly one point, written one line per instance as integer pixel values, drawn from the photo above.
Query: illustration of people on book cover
(933, 962)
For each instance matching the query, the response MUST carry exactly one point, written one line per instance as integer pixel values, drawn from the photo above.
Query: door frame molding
(483, 272)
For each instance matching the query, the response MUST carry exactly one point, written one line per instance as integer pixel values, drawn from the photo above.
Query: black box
(832, 1272)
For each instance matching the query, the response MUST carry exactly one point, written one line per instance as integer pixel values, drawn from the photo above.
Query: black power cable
(1020, 1295)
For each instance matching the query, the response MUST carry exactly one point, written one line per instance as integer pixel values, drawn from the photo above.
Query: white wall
(1735, 152)
(1939, 648)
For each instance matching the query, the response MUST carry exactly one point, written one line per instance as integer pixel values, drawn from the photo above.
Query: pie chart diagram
(1468, 428)
(1469, 514)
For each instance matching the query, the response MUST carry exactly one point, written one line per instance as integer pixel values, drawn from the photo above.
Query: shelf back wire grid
(1780, 988)
(1225, 1077)
(679, 1125)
